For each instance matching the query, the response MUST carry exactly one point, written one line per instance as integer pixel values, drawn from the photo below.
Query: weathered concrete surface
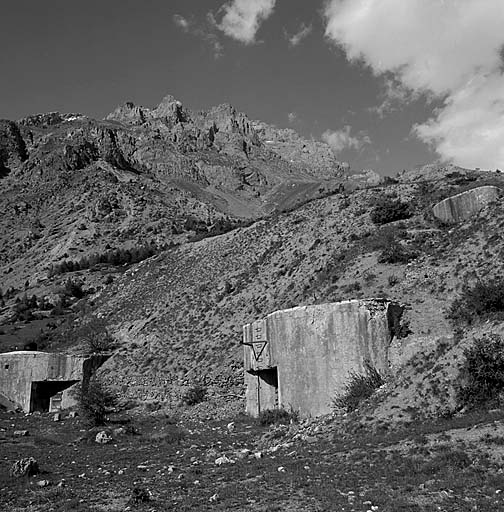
(29, 379)
(311, 352)
(463, 206)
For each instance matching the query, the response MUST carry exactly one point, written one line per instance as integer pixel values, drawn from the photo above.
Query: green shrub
(96, 337)
(359, 387)
(139, 495)
(73, 289)
(482, 373)
(94, 400)
(484, 299)
(277, 416)
(194, 395)
(395, 252)
(389, 210)
(452, 461)
(393, 280)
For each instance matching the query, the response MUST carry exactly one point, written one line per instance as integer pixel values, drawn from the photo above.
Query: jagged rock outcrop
(12, 147)
(463, 206)
(167, 174)
(313, 156)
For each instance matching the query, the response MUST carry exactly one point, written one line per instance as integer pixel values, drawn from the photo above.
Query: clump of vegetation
(194, 395)
(482, 373)
(96, 337)
(73, 288)
(277, 416)
(395, 252)
(484, 299)
(114, 257)
(204, 229)
(359, 387)
(393, 280)
(388, 209)
(139, 495)
(94, 400)
(24, 307)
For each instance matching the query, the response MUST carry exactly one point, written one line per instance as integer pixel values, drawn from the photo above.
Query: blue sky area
(385, 82)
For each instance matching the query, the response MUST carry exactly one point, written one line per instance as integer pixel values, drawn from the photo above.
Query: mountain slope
(71, 185)
(179, 315)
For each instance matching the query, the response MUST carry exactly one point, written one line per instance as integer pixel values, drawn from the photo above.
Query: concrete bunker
(40, 381)
(464, 205)
(300, 358)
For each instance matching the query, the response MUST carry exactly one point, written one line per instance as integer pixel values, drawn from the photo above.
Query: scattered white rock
(224, 460)
(243, 453)
(103, 438)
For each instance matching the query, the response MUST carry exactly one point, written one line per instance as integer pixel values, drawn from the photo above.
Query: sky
(388, 84)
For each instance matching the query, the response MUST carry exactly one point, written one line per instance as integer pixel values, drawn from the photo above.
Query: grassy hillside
(179, 314)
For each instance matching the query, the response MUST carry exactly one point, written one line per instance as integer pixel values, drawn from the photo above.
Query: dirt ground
(157, 463)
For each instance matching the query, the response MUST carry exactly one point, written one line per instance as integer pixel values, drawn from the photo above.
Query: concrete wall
(315, 349)
(463, 206)
(23, 371)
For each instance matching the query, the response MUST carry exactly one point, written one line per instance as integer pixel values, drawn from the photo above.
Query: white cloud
(242, 18)
(395, 95)
(296, 38)
(448, 49)
(342, 139)
(469, 129)
(181, 22)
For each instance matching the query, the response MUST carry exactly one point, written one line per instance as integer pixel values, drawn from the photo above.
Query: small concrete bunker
(464, 205)
(300, 358)
(38, 381)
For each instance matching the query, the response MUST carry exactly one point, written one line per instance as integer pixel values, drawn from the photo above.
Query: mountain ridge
(166, 169)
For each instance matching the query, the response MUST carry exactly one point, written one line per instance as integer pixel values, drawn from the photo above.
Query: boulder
(103, 437)
(25, 467)
(462, 206)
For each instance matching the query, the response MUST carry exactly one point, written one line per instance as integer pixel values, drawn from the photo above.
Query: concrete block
(30, 379)
(463, 206)
(300, 358)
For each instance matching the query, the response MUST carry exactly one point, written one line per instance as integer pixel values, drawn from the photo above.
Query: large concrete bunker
(300, 358)
(38, 381)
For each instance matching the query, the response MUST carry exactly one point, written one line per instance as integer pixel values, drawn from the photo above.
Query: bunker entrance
(42, 391)
(267, 389)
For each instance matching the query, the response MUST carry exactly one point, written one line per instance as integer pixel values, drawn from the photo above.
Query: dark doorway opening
(42, 391)
(267, 389)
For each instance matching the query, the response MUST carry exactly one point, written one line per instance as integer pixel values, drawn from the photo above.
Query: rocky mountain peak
(128, 113)
(227, 119)
(49, 119)
(171, 110)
